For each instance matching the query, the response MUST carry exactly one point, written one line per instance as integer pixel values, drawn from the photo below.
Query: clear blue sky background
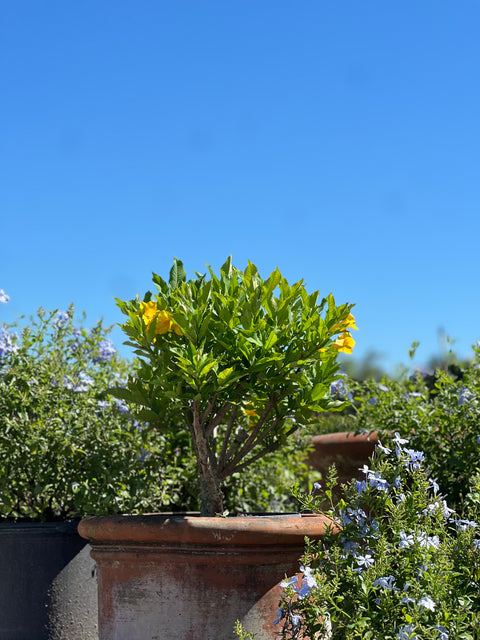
(339, 141)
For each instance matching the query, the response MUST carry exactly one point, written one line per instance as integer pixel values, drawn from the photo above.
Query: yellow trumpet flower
(163, 319)
(344, 343)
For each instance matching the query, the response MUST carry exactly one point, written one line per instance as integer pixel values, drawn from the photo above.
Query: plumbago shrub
(439, 414)
(404, 565)
(66, 448)
(239, 362)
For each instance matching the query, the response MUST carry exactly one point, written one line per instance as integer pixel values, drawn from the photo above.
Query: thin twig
(207, 411)
(217, 419)
(233, 464)
(231, 422)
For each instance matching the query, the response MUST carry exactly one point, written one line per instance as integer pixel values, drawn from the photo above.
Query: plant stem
(211, 494)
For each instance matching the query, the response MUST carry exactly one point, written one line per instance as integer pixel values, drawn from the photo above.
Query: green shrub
(68, 448)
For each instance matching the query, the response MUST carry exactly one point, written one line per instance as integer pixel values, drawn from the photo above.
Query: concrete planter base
(48, 587)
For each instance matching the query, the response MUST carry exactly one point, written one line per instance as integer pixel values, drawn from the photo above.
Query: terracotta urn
(348, 450)
(166, 576)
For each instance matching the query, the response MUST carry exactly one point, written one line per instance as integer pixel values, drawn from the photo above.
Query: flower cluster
(404, 565)
(439, 414)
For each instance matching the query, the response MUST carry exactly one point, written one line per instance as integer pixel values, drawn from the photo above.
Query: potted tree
(66, 450)
(241, 364)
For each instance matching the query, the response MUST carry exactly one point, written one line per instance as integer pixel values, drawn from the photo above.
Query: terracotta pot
(347, 450)
(48, 587)
(189, 577)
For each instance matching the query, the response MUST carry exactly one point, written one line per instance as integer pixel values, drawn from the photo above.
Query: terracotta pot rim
(195, 529)
(345, 436)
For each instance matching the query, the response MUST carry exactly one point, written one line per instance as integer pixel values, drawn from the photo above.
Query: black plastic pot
(48, 585)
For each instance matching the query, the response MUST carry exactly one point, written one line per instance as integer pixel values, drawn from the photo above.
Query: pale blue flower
(278, 616)
(429, 542)
(427, 603)
(463, 525)
(338, 389)
(360, 486)
(295, 620)
(406, 632)
(4, 297)
(365, 562)
(308, 576)
(377, 482)
(383, 449)
(399, 440)
(465, 395)
(81, 385)
(121, 405)
(442, 633)
(385, 582)
(406, 540)
(433, 484)
(414, 458)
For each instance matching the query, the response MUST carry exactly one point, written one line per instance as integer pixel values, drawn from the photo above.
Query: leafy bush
(68, 448)
(440, 414)
(403, 566)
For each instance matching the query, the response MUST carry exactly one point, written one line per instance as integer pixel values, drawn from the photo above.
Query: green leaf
(271, 340)
(318, 392)
(177, 274)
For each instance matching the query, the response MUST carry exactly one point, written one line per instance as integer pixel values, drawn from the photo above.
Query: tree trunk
(210, 493)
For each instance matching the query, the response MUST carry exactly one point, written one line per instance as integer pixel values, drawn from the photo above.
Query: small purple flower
(62, 317)
(338, 389)
(106, 351)
(465, 395)
(4, 297)
(121, 405)
(8, 342)
(81, 385)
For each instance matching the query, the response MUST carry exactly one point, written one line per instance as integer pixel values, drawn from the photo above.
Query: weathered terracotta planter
(347, 450)
(48, 588)
(187, 577)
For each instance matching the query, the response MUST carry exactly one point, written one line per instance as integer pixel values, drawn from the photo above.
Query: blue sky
(337, 141)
